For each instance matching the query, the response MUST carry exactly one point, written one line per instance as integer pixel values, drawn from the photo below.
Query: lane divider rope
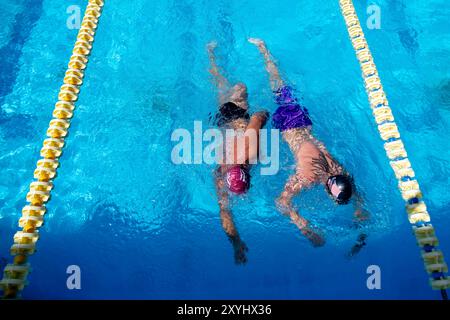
(416, 208)
(15, 274)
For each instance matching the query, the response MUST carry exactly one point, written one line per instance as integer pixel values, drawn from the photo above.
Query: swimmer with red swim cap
(233, 176)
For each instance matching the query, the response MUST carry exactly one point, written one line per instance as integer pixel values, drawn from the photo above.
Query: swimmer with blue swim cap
(314, 164)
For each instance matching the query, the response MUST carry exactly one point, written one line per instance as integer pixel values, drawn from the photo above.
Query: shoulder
(335, 167)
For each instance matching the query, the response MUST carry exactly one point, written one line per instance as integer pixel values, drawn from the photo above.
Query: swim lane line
(416, 208)
(15, 274)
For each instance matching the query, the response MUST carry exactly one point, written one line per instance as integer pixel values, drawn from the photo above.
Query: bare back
(313, 161)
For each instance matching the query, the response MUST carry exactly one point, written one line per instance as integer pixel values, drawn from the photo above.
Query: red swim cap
(238, 179)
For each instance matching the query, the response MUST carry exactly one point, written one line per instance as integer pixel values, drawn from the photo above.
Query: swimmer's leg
(220, 81)
(227, 93)
(275, 79)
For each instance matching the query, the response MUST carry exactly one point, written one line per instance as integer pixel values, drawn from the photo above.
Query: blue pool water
(141, 227)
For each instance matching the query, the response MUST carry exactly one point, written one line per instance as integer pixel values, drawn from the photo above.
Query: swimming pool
(139, 226)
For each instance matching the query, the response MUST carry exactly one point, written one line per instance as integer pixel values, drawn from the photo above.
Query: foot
(211, 46)
(260, 44)
(257, 42)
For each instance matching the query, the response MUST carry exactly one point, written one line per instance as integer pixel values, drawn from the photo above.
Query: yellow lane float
(15, 274)
(409, 187)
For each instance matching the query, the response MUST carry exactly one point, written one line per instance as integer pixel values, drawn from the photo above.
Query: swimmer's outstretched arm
(284, 204)
(275, 79)
(228, 225)
(219, 80)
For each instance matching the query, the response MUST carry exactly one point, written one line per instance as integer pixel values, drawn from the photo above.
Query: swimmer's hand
(360, 243)
(211, 46)
(314, 237)
(240, 250)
